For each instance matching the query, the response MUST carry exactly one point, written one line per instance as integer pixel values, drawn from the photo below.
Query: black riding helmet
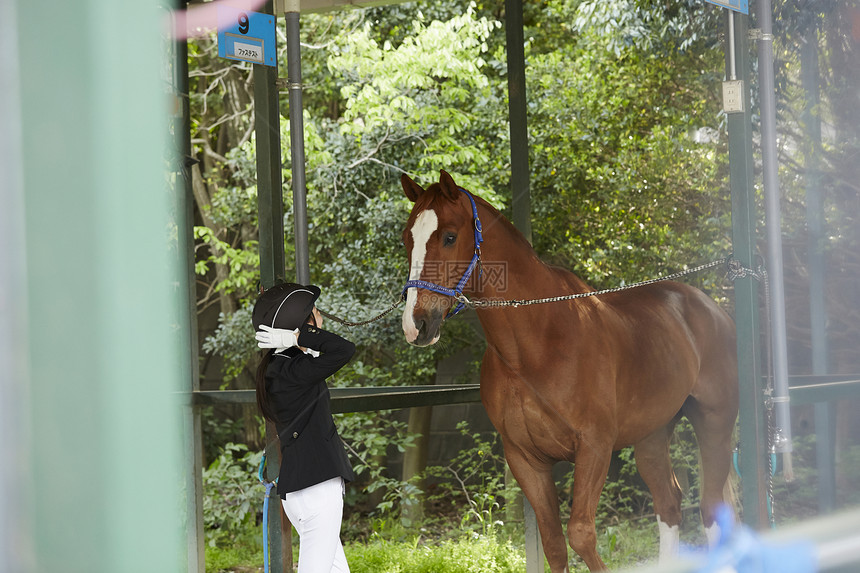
(285, 305)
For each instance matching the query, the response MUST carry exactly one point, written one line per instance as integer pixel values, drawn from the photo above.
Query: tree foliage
(628, 163)
(628, 157)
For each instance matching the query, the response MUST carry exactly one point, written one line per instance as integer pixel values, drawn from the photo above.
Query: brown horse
(578, 379)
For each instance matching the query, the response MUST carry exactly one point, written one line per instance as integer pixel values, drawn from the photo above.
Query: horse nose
(421, 325)
(427, 328)
(420, 331)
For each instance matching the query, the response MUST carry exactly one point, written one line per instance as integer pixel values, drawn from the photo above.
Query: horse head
(440, 239)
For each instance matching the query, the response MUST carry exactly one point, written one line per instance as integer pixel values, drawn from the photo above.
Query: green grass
(467, 554)
(485, 554)
(241, 554)
(623, 545)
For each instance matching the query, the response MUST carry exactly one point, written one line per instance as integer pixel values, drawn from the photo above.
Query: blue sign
(742, 6)
(246, 36)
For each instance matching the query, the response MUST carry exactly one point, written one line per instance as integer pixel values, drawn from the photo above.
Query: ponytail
(262, 392)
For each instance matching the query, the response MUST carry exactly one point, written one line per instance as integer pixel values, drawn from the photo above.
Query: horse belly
(653, 383)
(537, 417)
(641, 414)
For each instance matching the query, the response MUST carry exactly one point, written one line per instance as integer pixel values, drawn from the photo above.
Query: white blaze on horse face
(670, 541)
(425, 225)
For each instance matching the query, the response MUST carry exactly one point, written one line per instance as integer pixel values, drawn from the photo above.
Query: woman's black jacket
(311, 450)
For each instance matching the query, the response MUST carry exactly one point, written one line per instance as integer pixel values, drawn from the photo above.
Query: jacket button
(295, 435)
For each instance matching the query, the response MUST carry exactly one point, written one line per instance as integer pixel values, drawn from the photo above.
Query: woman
(292, 393)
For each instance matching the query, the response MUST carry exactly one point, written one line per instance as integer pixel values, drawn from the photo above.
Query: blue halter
(457, 291)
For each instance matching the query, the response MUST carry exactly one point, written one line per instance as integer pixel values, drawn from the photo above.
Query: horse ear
(449, 188)
(410, 188)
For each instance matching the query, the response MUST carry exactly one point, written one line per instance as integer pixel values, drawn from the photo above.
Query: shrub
(232, 494)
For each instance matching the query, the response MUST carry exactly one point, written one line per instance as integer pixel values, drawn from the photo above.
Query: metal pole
(733, 70)
(297, 142)
(782, 437)
(751, 416)
(521, 199)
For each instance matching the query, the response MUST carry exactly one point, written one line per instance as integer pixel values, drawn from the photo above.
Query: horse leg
(655, 467)
(714, 428)
(589, 475)
(537, 484)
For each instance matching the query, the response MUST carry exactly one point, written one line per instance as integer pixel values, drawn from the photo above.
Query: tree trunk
(204, 202)
(415, 462)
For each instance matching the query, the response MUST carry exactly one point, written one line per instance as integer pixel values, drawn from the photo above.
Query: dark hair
(263, 392)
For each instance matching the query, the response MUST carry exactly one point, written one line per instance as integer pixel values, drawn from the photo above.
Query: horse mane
(574, 282)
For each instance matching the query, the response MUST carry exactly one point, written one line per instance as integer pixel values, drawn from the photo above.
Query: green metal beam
(804, 390)
(362, 399)
(824, 392)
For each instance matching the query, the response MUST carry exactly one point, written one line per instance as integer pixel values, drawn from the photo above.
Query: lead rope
(269, 485)
(516, 303)
(379, 316)
(480, 303)
(736, 271)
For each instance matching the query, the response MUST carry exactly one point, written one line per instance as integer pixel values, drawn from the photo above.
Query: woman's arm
(335, 352)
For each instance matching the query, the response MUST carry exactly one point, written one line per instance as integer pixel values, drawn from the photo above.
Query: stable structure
(88, 293)
(756, 438)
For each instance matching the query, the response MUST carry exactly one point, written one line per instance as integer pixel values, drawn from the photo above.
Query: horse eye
(450, 239)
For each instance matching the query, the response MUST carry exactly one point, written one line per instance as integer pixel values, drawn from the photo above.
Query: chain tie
(735, 270)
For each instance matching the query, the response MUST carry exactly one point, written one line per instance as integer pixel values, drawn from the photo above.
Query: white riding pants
(316, 512)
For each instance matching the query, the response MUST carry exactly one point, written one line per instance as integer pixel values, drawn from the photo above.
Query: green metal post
(270, 203)
(521, 199)
(753, 442)
(269, 187)
(184, 213)
(825, 431)
(515, 47)
(106, 353)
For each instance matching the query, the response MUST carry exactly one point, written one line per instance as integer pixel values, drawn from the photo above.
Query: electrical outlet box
(733, 96)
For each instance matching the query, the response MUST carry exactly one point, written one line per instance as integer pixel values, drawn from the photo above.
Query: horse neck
(513, 271)
(512, 268)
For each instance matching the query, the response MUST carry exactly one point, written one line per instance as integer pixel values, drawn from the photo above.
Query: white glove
(268, 337)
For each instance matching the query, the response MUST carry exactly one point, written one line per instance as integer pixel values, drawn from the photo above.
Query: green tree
(355, 208)
(628, 162)
(628, 159)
